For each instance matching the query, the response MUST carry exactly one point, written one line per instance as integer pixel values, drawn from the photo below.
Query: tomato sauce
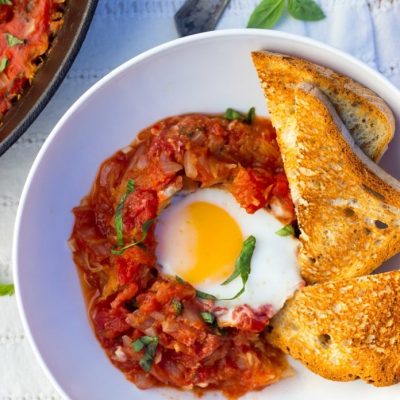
(150, 325)
(26, 30)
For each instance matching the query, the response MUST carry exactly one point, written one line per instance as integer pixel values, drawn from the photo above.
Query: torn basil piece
(232, 114)
(6, 289)
(119, 225)
(208, 318)
(287, 230)
(3, 64)
(145, 230)
(243, 265)
(177, 305)
(149, 343)
(13, 40)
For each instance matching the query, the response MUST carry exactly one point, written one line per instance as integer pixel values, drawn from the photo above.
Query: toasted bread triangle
(345, 329)
(367, 117)
(347, 207)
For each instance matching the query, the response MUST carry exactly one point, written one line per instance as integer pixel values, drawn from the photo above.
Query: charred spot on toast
(324, 340)
(380, 225)
(269, 328)
(349, 212)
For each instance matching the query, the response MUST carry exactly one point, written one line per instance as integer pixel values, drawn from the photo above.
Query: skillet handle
(197, 16)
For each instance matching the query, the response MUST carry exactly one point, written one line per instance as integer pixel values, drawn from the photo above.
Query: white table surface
(121, 29)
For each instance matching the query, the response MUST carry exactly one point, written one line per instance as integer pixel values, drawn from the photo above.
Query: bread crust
(366, 115)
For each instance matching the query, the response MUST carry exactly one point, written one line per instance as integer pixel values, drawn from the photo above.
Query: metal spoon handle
(199, 16)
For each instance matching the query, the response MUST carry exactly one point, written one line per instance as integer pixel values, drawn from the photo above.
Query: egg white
(274, 275)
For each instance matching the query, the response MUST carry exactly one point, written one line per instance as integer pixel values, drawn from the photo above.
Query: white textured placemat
(369, 30)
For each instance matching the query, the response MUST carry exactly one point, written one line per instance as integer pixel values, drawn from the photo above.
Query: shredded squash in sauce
(158, 329)
(27, 28)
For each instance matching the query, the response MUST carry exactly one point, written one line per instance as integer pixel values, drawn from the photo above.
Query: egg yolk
(215, 245)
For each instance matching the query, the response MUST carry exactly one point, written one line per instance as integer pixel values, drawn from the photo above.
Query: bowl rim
(347, 58)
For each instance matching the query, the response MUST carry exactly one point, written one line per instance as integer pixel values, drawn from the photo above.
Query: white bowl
(204, 73)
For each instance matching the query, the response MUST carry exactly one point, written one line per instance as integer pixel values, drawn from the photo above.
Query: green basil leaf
(146, 226)
(6, 289)
(243, 260)
(149, 339)
(234, 275)
(130, 186)
(7, 2)
(140, 343)
(243, 265)
(287, 230)
(3, 64)
(180, 280)
(137, 345)
(13, 40)
(146, 362)
(119, 225)
(145, 230)
(251, 115)
(118, 252)
(208, 317)
(238, 294)
(266, 14)
(232, 114)
(206, 296)
(150, 343)
(177, 306)
(305, 10)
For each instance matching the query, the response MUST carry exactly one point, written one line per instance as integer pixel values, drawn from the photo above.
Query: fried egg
(200, 237)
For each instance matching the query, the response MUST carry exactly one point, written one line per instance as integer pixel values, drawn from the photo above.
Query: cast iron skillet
(77, 18)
